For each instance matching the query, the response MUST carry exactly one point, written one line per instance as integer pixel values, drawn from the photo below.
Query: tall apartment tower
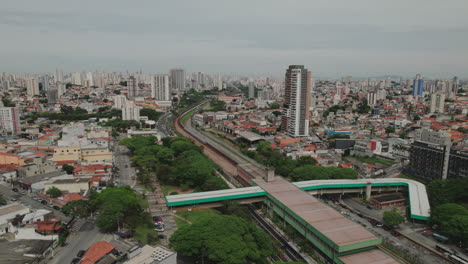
(131, 112)
(251, 90)
(160, 87)
(437, 102)
(32, 86)
(297, 88)
(58, 75)
(418, 86)
(45, 83)
(9, 120)
(178, 79)
(131, 87)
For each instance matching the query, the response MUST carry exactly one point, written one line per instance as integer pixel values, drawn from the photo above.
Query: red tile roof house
(97, 251)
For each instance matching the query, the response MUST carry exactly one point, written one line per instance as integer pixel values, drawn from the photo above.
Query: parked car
(426, 233)
(369, 207)
(379, 225)
(161, 236)
(160, 229)
(14, 189)
(44, 202)
(81, 253)
(75, 261)
(157, 219)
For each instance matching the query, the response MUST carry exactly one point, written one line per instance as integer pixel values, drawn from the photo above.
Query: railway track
(387, 251)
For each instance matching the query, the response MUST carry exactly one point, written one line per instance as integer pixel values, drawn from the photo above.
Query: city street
(163, 125)
(122, 162)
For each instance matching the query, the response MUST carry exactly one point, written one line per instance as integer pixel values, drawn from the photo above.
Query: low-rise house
(8, 212)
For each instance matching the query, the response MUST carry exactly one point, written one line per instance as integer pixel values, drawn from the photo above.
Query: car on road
(44, 202)
(426, 233)
(379, 225)
(13, 199)
(75, 261)
(161, 236)
(35, 198)
(14, 189)
(369, 207)
(157, 219)
(81, 253)
(160, 229)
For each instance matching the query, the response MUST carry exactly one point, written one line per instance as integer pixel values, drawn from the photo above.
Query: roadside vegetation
(449, 203)
(226, 236)
(68, 113)
(302, 169)
(373, 160)
(178, 163)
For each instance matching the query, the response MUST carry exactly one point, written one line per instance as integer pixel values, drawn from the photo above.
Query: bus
(444, 249)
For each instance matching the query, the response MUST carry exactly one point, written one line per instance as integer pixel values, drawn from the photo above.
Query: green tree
(223, 239)
(68, 168)
(151, 113)
(457, 228)
(306, 160)
(311, 172)
(389, 130)
(274, 106)
(54, 192)
(217, 105)
(448, 191)
(393, 218)
(78, 208)
(444, 212)
(119, 207)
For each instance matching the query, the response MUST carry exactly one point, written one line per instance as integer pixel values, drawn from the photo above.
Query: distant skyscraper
(298, 84)
(58, 75)
(32, 86)
(178, 79)
(100, 82)
(160, 87)
(437, 102)
(76, 78)
(132, 87)
(251, 90)
(61, 89)
(418, 86)
(45, 83)
(52, 96)
(90, 79)
(9, 120)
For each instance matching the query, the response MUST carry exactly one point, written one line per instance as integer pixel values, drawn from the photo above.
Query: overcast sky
(331, 37)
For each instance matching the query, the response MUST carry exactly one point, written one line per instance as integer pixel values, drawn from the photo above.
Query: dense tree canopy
(78, 208)
(150, 113)
(68, 168)
(223, 239)
(54, 192)
(393, 218)
(217, 105)
(448, 191)
(453, 220)
(177, 162)
(298, 170)
(119, 207)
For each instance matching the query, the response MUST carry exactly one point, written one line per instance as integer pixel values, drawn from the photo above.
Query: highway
(122, 163)
(163, 125)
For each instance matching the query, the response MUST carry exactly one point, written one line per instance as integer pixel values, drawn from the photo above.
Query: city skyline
(332, 39)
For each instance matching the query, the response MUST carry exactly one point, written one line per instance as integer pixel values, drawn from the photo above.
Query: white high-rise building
(9, 120)
(90, 79)
(61, 89)
(178, 79)
(58, 75)
(32, 86)
(160, 87)
(100, 81)
(131, 112)
(120, 101)
(45, 83)
(132, 87)
(76, 78)
(298, 86)
(437, 102)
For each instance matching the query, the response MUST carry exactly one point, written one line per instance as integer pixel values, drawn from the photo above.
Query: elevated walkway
(418, 200)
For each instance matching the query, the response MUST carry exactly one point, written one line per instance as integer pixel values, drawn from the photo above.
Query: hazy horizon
(255, 38)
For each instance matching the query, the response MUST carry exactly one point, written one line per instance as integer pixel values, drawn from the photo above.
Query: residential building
(45, 83)
(251, 90)
(418, 86)
(131, 112)
(58, 75)
(99, 252)
(120, 101)
(8, 212)
(9, 120)
(74, 185)
(433, 158)
(132, 87)
(437, 102)
(298, 83)
(177, 79)
(32, 86)
(160, 87)
(151, 255)
(76, 78)
(52, 96)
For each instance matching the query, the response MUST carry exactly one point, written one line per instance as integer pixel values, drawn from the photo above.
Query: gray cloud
(261, 37)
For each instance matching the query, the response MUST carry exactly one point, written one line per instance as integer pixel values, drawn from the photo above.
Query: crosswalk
(78, 224)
